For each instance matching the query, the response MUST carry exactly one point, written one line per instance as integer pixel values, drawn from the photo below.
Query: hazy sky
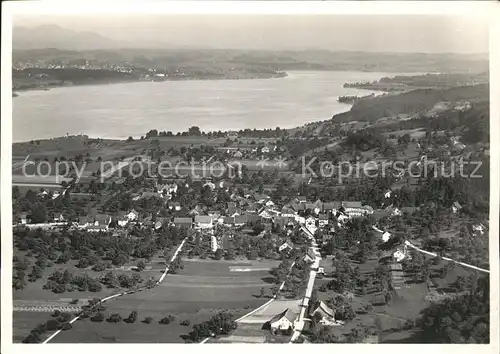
(382, 33)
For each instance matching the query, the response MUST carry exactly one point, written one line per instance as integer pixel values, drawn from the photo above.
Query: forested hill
(410, 102)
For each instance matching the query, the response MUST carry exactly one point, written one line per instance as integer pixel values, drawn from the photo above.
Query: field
(33, 305)
(198, 292)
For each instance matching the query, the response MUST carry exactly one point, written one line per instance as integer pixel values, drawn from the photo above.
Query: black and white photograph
(249, 178)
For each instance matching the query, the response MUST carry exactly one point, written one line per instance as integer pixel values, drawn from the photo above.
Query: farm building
(321, 308)
(185, 223)
(283, 321)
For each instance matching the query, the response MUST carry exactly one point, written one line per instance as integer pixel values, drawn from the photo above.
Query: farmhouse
(240, 220)
(322, 220)
(213, 243)
(311, 224)
(23, 217)
(331, 207)
(102, 220)
(132, 215)
(83, 222)
(283, 321)
(455, 207)
(203, 222)
(353, 209)
(310, 256)
(59, 218)
(323, 309)
(185, 223)
(174, 206)
(287, 211)
(287, 245)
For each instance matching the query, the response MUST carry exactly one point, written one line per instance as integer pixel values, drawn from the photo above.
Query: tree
(148, 320)
(185, 323)
(98, 317)
(194, 130)
(229, 254)
(114, 318)
(262, 292)
(132, 317)
(141, 265)
(38, 213)
(52, 325)
(65, 317)
(218, 254)
(167, 319)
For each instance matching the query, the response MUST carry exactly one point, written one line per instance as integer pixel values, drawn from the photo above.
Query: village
(247, 231)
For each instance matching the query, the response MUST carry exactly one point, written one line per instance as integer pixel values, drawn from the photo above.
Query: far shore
(15, 91)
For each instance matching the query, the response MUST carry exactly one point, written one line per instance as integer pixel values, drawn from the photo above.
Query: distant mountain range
(53, 36)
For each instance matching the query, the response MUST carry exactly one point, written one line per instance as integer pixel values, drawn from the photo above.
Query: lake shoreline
(279, 75)
(228, 105)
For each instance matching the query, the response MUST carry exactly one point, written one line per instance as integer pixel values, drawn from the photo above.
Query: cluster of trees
(62, 281)
(263, 133)
(90, 250)
(42, 209)
(463, 319)
(365, 140)
(60, 321)
(221, 324)
(281, 272)
(296, 282)
(176, 265)
(192, 131)
(19, 272)
(297, 147)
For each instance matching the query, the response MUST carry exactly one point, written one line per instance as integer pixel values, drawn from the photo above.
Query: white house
(288, 212)
(387, 194)
(386, 236)
(213, 243)
(322, 220)
(283, 321)
(59, 218)
(478, 229)
(399, 255)
(326, 312)
(455, 207)
(209, 185)
(43, 193)
(311, 224)
(265, 150)
(269, 203)
(203, 222)
(56, 195)
(284, 246)
(24, 218)
(122, 221)
(393, 210)
(300, 219)
(132, 215)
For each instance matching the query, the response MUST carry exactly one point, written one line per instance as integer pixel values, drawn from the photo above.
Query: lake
(132, 109)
